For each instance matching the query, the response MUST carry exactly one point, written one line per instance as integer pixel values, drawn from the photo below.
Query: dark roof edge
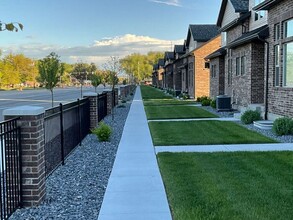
(235, 22)
(220, 52)
(260, 35)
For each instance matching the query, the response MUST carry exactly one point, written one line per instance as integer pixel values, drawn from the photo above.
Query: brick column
(109, 102)
(31, 123)
(93, 98)
(116, 97)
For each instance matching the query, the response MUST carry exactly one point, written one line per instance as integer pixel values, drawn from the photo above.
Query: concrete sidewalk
(226, 148)
(135, 189)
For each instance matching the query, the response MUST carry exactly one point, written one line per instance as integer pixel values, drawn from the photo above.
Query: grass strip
(148, 92)
(239, 185)
(203, 133)
(176, 112)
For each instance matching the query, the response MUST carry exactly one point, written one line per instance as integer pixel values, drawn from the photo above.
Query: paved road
(41, 97)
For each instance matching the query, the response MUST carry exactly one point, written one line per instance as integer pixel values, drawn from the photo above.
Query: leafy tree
(96, 80)
(13, 26)
(9, 75)
(50, 70)
(113, 68)
(25, 67)
(140, 66)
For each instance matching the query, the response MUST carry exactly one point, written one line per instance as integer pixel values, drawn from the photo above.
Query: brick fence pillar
(116, 97)
(94, 117)
(109, 102)
(31, 123)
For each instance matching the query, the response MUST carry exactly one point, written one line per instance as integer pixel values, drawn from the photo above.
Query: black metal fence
(65, 127)
(10, 168)
(102, 106)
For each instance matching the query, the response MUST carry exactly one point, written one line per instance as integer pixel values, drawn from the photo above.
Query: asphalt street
(41, 97)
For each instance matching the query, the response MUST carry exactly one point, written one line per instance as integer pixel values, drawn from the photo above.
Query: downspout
(266, 78)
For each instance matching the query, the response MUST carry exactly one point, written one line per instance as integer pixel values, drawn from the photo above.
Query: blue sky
(94, 30)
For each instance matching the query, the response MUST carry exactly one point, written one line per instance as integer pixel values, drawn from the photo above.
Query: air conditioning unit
(223, 103)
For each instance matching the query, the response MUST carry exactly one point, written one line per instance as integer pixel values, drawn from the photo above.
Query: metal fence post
(62, 133)
(79, 121)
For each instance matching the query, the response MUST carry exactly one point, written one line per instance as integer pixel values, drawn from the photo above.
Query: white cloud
(168, 2)
(99, 52)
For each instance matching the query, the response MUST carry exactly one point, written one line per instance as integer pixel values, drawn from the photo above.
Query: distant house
(179, 50)
(243, 35)
(157, 75)
(201, 41)
(168, 73)
(217, 72)
(279, 74)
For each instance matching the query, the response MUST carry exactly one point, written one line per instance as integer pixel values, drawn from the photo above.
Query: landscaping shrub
(283, 126)
(249, 116)
(213, 104)
(205, 102)
(103, 132)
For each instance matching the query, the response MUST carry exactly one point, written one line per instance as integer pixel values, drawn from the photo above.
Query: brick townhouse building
(241, 60)
(279, 62)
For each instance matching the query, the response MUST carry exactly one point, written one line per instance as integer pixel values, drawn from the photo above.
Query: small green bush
(205, 102)
(249, 116)
(283, 126)
(213, 104)
(185, 96)
(103, 132)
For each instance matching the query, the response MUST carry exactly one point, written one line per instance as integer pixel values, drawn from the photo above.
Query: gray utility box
(223, 103)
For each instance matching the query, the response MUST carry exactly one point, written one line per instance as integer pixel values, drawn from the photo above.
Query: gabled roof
(266, 5)
(220, 52)
(202, 32)
(240, 6)
(161, 62)
(169, 56)
(257, 34)
(179, 49)
(236, 21)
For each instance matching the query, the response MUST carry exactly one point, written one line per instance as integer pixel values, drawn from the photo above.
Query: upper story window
(288, 28)
(259, 14)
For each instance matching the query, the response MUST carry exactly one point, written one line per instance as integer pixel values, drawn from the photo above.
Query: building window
(259, 14)
(288, 65)
(277, 32)
(213, 71)
(224, 39)
(288, 28)
(237, 66)
(242, 66)
(229, 71)
(277, 65)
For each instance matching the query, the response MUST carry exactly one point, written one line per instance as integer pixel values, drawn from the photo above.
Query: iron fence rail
(65, 127)
(10, 168)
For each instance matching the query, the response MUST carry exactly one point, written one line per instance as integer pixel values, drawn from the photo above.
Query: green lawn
(176, 112)
(157, 102)
(203, 133)
(148, 92)
(225, 186)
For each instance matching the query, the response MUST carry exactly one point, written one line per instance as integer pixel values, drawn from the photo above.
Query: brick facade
(201, 73)
(217, 82)
(280, 99)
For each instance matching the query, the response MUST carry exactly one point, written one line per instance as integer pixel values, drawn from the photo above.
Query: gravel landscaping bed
(268, 133)
(76, 190)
